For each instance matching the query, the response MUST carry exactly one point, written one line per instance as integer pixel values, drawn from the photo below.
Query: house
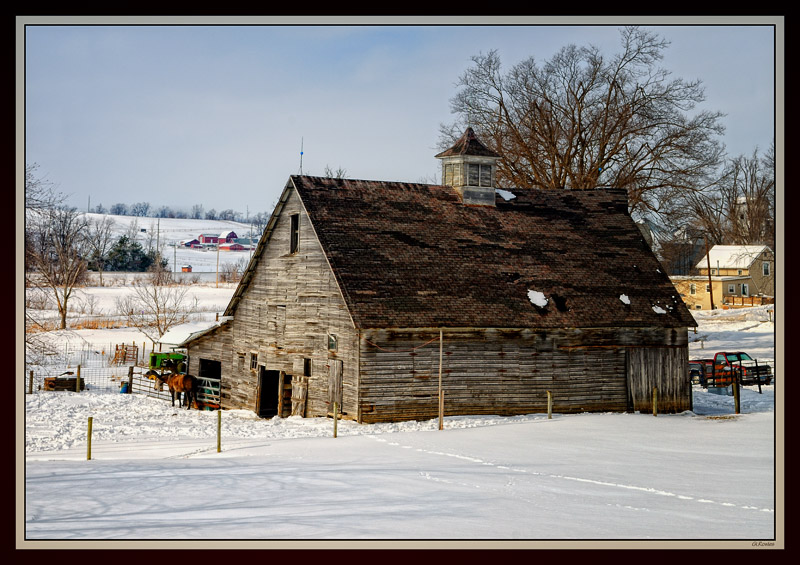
(733, 275)
(369, 294)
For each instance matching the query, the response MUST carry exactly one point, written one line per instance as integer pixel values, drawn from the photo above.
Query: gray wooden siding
(284, 316)
(506, 372)
(664, 369)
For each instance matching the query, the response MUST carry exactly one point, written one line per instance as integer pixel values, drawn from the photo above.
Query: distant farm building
(232, 247)
(207, 238)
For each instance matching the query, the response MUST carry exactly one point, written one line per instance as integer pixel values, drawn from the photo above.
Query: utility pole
(708, 262)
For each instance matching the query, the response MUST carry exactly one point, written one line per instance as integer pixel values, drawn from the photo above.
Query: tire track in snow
(648, 490)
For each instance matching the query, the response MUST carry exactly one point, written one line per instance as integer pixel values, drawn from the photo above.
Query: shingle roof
(412, 255)
(468, 144)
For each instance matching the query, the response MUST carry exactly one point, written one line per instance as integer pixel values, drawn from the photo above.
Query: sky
(218, 115)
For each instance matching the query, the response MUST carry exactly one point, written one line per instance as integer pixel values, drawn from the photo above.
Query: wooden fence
(746, 301)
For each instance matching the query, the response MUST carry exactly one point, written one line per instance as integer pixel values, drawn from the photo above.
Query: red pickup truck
(721, 370)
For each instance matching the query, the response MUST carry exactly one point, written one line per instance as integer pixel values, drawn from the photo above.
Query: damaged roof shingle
(412, 255)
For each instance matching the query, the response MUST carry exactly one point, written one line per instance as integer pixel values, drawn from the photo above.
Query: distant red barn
(231, 247)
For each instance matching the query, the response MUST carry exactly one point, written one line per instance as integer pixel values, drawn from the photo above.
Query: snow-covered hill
(168, 233)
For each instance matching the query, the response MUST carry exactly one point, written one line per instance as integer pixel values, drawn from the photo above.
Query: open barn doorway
(268, 392)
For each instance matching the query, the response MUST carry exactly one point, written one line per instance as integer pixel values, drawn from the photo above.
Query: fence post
(130, 380)
(219, 431)
(441, 391)
(655, 401)
(549, 405)
(335, 417)
(30, 383)
(736, 391)
(78, 380)
(89, 442)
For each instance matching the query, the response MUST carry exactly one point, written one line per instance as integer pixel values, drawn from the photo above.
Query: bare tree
(740, 208)
(118, 209)
(339, 173)
(197, 212)
(156, 305)
(40, 193)
(227, 214)
(750, 187)
(55, 251)
(582, 120)
(100, 238)
(140, 209)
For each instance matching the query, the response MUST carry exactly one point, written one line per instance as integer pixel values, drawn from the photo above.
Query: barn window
(765, 268)
(306, 367)
(333, 342)
(253, 361)
(294, 238)
(241, 361)
(692, 288)
(479, 175)
(448, 174)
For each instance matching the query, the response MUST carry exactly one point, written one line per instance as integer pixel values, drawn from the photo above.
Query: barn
(372, 293)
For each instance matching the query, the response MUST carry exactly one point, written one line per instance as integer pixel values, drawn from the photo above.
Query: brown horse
(179, 383)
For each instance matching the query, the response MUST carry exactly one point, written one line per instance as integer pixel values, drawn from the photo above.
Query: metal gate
(208, 393)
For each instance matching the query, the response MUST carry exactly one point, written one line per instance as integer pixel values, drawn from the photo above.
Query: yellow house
(741, 275)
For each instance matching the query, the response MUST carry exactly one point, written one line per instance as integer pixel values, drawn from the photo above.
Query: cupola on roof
(468, 144)
(469, 167)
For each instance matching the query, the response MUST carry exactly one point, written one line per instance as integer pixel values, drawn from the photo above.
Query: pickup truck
(721, 370)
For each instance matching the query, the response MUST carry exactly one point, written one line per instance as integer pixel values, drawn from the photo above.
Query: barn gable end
(284, 313)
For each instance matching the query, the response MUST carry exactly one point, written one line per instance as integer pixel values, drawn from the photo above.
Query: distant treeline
(197, 212)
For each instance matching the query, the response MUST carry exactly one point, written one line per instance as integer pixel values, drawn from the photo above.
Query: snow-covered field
(155, 474)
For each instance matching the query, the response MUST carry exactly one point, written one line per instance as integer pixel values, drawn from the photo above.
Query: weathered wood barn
(360, 292)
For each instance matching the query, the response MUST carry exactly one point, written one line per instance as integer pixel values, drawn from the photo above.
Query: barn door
(334, 384)
(299, 395)
(268, 392)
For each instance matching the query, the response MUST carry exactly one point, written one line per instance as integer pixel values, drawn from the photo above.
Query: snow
(624, 298)
(155, 472)
(658, 309)
(537, 298)
(506, 194)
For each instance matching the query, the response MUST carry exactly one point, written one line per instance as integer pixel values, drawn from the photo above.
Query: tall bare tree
(156, 305)
(55, 251)
(740, 208)
(40, 193)
(582, 120)
(100, 239)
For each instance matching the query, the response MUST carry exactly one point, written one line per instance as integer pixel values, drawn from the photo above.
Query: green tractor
(157, 361)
